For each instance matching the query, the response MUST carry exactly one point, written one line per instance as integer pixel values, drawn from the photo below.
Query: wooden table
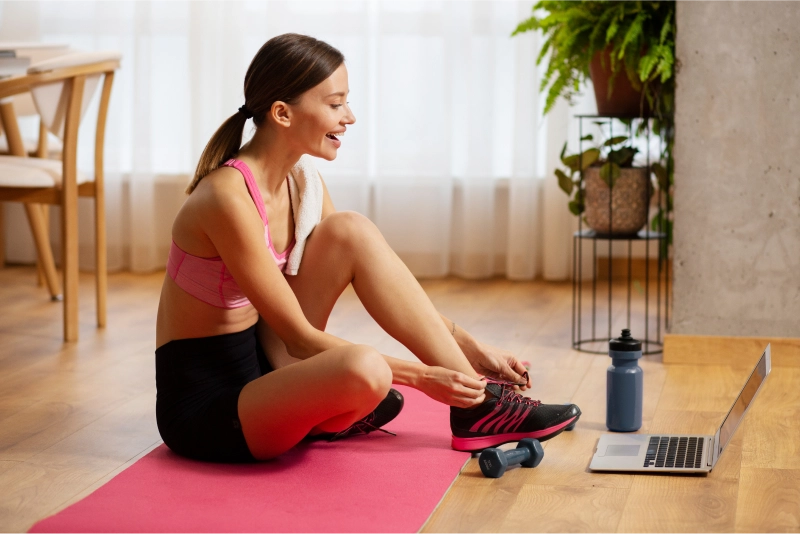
(31, 50)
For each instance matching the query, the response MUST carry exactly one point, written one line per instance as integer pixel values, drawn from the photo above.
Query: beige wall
(737, 169)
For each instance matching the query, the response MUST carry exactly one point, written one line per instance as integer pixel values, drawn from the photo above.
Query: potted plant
(616, 195)
(600, 40)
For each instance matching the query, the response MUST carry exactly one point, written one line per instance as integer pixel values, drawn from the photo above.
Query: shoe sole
(484, 442)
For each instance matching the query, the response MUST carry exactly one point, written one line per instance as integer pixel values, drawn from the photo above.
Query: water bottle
(624, 386)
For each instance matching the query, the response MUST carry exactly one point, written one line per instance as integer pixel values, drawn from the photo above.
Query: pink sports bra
(207, 278)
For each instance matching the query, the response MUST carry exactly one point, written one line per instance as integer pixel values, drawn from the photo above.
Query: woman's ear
(281, 113)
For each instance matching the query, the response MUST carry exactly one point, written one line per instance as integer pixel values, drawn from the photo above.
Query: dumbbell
(494, 462)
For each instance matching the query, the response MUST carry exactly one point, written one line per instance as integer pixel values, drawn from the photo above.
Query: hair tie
(246, 112)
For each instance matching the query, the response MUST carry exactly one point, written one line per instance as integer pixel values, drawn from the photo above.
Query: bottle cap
(625, 343)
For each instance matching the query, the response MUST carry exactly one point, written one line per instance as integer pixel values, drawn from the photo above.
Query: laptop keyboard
(674, 452)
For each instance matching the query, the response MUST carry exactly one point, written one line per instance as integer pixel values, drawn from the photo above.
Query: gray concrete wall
(737, 169)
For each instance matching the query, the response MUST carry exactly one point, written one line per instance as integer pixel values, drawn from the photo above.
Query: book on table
(11, 65)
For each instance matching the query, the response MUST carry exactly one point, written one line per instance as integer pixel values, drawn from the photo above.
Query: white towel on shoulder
(305, 185)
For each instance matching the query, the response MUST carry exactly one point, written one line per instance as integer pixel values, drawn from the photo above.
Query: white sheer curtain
(450, 155)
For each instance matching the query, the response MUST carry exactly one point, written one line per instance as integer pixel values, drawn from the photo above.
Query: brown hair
(283, 69)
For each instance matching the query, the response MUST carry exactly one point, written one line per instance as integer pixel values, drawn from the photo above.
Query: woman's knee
(367, 372)
(347, 229)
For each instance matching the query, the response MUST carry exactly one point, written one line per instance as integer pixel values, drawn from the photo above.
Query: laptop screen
(744, 400)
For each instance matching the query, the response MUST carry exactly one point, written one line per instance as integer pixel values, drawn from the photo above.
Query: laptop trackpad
(623, 450)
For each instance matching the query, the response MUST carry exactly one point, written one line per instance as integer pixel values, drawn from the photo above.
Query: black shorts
(198, 382)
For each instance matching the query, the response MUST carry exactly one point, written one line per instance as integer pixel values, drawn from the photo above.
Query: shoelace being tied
(508, 395)
(362, 426)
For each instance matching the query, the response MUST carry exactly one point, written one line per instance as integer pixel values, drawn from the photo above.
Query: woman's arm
(488, 360)
(467, 343)
(444, 385)
(231, 222)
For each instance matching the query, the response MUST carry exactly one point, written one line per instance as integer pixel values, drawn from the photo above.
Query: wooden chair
(62, 88)
(24, 106)
(40, 147)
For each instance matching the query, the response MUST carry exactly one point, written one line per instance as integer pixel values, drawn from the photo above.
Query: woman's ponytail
(225, 142)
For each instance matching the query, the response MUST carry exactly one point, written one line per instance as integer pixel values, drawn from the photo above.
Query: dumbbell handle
(517, 456)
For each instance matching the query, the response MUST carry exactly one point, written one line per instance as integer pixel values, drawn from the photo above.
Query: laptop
(673, 453)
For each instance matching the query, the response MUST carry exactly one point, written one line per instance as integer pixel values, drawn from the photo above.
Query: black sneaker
(509, 416)
(387, 410)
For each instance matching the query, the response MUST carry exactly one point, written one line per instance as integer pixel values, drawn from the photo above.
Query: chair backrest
(36, 52)
(62, 88)
(51, 99)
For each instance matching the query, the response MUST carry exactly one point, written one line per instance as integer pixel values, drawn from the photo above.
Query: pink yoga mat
(372, 483)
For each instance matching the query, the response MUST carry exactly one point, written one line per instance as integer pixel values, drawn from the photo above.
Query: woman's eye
(334, 106)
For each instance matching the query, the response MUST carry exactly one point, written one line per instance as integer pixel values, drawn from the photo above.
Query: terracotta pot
(629, 201)
(625, 100)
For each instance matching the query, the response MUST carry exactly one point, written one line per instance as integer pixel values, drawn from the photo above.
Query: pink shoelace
(508, 395)
(362, 426)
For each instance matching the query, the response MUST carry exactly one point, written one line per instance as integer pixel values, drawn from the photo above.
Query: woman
(221, 397)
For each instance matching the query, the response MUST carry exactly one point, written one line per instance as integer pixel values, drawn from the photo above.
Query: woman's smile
(334, 138)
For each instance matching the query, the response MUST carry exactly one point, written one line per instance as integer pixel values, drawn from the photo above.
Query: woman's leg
(334, 389)
(345, 248)
(328, 393)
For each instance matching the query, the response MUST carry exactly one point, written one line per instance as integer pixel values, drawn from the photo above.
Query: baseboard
(729, 350)
(639, 266)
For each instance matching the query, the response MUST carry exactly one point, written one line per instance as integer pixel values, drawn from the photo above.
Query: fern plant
(641, 36)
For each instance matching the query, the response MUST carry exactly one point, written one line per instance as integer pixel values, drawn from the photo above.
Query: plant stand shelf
(649, 320)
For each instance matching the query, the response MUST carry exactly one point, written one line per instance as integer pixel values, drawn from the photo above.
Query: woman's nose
(350, 118)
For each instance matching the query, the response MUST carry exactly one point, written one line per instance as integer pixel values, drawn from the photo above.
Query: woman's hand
(451, 387)
(497, 363)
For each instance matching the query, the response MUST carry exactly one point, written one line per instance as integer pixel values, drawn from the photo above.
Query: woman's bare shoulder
(219, 188)
(220, 198)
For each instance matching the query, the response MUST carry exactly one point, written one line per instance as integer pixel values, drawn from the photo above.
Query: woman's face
(321, 116)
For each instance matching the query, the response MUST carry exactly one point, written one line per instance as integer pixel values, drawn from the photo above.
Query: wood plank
(50, 480)
(530, 508)
(565, 509)
(639, 267)
(729, 350)
(772, 433)
(69, 409)
(73, 415)
(686, 503)
(769, 500)
(702, 389)
(558, 326)
(515, 315)
(478, 508)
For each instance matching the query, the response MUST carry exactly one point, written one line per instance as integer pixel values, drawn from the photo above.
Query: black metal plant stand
(651, 333)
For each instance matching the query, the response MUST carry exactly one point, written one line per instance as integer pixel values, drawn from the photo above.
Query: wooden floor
(72, 416)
